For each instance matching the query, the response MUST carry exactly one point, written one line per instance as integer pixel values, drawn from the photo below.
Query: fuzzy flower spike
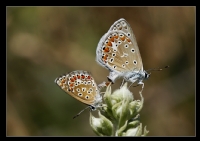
(119, 115)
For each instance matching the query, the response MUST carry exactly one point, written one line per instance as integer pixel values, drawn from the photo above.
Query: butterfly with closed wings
(81, 85)
(118, 52)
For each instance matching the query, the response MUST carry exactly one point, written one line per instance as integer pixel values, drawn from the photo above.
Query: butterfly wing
(80, 85)
(118, 51)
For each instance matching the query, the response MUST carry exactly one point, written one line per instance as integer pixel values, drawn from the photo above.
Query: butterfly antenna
(157, 69)
(81, 112)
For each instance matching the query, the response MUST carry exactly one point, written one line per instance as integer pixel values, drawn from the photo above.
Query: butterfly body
(81, 85)
(118, 52)
(135, 76)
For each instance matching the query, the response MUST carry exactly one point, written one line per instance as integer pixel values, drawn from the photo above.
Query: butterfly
(82, 86)
(118, 52)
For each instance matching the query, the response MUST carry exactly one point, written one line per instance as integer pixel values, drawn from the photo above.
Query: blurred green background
(45, 42)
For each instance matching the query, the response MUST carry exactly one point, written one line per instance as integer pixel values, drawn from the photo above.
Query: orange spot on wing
(72, 79)
(88, 77)
(75, 78)
(122, 38)
(78, 76)
(105, 57)
(128, 39)
(112, 39)
(82, 76)
(109, 44)
(71, 85)
(63, 80)
(106, 49)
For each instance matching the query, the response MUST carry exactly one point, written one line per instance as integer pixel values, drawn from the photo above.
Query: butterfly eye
(147, 75)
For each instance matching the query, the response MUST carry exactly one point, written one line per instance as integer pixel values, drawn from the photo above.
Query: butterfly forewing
(118, 49)
(80, 85)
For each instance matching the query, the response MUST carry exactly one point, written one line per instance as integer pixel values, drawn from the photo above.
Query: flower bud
(101, 126)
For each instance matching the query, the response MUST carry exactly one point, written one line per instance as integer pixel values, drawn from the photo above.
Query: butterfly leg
(122, 83)
(104, 84)
(142, 86)
(133, 86)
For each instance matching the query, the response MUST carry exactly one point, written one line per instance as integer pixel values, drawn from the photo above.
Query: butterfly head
(146, 75)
